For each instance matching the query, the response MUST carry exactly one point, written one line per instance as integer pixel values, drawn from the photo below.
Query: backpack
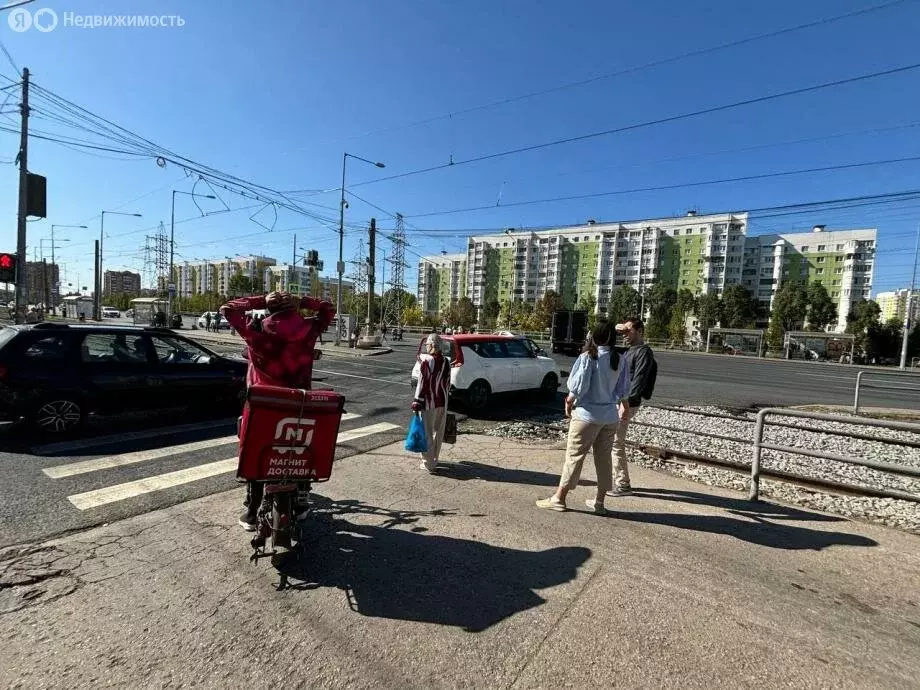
(652, 377)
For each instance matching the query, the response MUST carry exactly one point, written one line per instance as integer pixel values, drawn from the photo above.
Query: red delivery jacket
(281, 353)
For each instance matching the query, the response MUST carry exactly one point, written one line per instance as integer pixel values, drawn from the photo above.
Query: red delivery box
(289, 434)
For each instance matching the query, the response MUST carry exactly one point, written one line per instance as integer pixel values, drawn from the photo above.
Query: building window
(820, 260)
(820, 271)
(839, 247)
(822, 247)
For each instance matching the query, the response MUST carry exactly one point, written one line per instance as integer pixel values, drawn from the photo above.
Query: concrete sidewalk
(456, 580)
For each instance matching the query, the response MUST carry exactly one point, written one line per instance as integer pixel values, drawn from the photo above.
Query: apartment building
(894, 305)
(121, 282)
(200, 277)
(42, 282)
(442, 280)
(841, 260)
(700, 253)
(304, 280)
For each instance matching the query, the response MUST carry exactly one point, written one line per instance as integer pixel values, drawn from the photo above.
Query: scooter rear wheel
(282, 520)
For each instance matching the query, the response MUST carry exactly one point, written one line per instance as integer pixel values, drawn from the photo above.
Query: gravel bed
(680, 435)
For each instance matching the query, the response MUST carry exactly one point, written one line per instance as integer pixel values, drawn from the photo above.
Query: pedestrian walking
(643, 371)
(217, 319)
(431, 398)
(207, 321)
(598, 384)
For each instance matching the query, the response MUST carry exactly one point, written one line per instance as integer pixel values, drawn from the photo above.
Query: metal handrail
(759, 444)
(860, 384)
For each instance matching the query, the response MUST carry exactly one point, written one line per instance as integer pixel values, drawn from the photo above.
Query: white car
(110, 313)
(482, 365)
(203, 323)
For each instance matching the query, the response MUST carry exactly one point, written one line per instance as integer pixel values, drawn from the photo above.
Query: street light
(172, 243)
(341, 265)
(53, 226)
(97, 298)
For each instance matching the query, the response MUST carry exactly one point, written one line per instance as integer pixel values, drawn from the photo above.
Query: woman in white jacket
(431, 398)
(598, 386)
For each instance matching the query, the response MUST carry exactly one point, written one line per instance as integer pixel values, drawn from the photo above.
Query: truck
(570, 328)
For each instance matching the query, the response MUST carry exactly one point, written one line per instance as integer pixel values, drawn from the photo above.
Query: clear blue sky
(275, 92)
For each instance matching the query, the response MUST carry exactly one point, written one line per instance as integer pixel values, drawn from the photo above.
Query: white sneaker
(596, 508)
(424, 466)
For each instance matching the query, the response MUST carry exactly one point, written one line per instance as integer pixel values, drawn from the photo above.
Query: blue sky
(275, 93)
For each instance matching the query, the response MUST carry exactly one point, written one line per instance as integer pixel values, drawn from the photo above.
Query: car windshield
(6, 335)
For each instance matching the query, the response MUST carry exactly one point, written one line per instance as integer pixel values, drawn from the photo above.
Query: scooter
(287, 442)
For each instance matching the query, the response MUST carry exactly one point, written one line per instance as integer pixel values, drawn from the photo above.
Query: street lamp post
(907, 312)
(341, 264)
(53, 226)
(97, 297)
(172, 245)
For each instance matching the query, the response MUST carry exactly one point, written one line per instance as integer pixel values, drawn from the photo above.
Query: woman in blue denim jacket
(598, 386)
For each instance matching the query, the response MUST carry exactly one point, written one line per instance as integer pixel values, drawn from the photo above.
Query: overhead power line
(659, 188)
(649, 123)
(639, 68)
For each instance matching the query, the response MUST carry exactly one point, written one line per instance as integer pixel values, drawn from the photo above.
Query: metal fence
(909, 383)
(760, 445)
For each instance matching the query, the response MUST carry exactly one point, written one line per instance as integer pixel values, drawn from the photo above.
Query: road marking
(121, 492)
(67, 446)
(366, 378)
(360, 432)
(96, 464)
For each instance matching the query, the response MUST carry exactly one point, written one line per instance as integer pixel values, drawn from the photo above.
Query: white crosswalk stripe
(95, 464)
(139, 487)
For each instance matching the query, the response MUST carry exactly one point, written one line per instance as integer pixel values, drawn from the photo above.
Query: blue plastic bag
(416, 439)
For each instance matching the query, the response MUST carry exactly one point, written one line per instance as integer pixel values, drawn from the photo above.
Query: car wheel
(550, 385)
(478, 395)
(61, 416)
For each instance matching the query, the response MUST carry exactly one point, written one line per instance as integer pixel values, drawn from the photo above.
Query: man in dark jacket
(642, 373)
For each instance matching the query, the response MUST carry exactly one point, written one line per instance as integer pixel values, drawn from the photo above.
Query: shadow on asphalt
(404, 574)
(466, 470)
(736, 506)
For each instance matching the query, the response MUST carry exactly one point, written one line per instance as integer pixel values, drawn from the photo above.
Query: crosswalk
(146, 460)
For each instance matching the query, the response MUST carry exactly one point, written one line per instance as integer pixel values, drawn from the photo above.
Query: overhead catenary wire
(648, 123)
(644, 66)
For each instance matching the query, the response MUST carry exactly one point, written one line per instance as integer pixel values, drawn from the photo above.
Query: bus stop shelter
(735, 341)
(75, 305)
(146, 308)
(819, 346)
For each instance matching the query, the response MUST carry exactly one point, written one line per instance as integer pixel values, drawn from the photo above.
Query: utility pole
(98, 259)
(23, 200)
(371, 257)
(907, 311)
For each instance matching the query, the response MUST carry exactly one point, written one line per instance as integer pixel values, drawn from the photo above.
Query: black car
(54, 375)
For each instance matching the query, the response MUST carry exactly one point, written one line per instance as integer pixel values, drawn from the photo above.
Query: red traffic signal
(7, 268)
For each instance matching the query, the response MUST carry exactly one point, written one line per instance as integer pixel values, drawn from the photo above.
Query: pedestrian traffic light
(7, 268)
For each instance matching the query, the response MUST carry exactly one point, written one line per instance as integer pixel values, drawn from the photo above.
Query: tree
(491, 309)
(661, 300)
(821, 309)
(624, 304)
(739, 309)
(544, 309)
(240, 285)
(708, 312)
(413, 316)
(677, 328)
(863, 316)
(464, 313)
(588, 303)
(790, 306)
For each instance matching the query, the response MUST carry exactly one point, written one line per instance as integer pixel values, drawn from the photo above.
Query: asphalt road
(136, 466)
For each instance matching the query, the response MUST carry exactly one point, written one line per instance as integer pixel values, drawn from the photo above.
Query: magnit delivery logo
(45, 19)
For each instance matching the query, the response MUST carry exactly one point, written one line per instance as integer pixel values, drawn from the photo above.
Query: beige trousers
(435, 421)
(622, 471)
(584, 436)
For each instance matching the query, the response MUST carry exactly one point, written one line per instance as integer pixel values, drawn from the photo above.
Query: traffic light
(7, 268)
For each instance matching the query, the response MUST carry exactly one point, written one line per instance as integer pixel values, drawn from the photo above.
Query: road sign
(171, 288)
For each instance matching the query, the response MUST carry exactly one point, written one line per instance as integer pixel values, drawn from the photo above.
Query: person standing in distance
(643, 371)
